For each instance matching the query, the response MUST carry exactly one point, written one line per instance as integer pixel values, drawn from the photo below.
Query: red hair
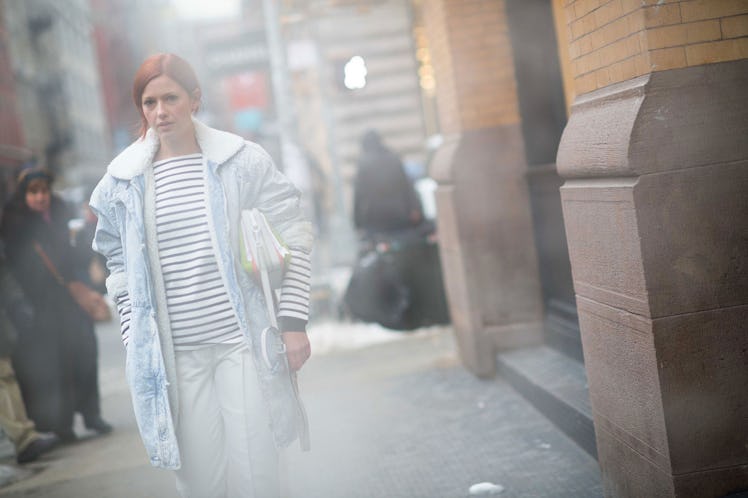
(157, 65)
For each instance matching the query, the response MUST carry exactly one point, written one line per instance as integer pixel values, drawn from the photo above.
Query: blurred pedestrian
(16, 314)
(384, 199)
(56, 358)
(206, 403)
(397, 279)
(92, 265)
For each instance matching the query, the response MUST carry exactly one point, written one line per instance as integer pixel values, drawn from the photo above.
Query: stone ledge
(557, 386)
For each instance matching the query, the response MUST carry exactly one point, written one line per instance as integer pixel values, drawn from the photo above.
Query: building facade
(657, 222)
(353, 67)
(54, 66)
(651, 163)
(12, 142)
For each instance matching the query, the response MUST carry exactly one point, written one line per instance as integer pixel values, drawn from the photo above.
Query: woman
(56, 359)
(168, 210)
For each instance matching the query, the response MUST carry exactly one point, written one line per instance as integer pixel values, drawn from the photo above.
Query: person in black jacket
(56, 359)
(16, 313)
(397, 279)
(384, 199)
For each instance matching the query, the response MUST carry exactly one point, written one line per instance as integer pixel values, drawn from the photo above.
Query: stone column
(485, 226)
(655, 203)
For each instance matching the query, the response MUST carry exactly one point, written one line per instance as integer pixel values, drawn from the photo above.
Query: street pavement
(392, 415)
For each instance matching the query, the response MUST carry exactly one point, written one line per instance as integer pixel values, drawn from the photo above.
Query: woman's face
(168, 109)
(38, 197)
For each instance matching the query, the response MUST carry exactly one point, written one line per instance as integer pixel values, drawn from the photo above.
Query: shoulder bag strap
(303, 427)
(48, 263)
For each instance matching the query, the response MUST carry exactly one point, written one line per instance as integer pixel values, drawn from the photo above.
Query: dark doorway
(543, 112)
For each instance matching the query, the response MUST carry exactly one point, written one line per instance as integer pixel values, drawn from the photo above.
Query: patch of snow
(485, 489)
(329, 336)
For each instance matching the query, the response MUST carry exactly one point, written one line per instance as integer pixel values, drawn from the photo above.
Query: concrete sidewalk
(114, 465)
(404, 419)
(392, 415)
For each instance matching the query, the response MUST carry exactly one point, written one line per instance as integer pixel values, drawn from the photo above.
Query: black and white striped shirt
(200, 312)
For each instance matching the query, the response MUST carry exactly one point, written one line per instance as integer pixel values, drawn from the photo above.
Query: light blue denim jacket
(239, 175)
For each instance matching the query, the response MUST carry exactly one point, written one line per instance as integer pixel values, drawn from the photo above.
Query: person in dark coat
(397, 279)
(56, 359)
(16, 314)
(384, 199)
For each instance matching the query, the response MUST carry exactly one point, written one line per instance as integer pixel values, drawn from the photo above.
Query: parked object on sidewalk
(397, 280)
(56, 358)
(376, 293)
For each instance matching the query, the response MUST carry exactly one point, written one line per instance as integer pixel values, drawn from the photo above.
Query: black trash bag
(420, 270)
(376, 293)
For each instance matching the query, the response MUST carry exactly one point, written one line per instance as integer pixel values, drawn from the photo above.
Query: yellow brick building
(629, 117)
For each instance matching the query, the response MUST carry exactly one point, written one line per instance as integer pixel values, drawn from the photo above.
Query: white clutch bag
(261, 247)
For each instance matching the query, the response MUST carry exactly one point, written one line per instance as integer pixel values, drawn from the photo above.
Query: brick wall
(469, 41)
(615, 40)
(441, 56)
(10, 125)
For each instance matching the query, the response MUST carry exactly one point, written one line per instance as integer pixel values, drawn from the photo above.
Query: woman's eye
(171, 98)
(148, 103)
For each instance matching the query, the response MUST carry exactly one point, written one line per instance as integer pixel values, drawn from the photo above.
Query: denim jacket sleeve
(280, 201)
(107, 239)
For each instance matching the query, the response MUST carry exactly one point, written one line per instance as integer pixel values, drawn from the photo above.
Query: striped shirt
(200, 313)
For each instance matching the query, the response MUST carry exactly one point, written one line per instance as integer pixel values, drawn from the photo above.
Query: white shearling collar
(217, 146)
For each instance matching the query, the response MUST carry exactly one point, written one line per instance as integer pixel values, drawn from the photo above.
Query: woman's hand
(298, 349)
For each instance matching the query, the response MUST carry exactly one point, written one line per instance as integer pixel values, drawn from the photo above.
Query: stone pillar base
(486, 242)
(656, 214)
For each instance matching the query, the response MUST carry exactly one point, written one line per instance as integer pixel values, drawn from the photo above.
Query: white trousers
(224, 436)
